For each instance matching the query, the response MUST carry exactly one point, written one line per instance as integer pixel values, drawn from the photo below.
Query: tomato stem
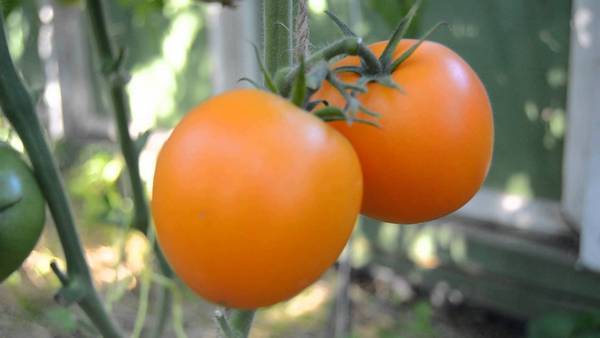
(113, 66)
(345, 46)
(235, 325)
(19, 109)
(278, 32)
(241, 321)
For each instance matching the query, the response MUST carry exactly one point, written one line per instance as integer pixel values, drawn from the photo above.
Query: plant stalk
(18, 107)
(241, 321)
(277, 31)
(345, 46)
(113, 64)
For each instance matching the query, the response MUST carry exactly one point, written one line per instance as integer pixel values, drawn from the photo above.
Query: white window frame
(581, 178)
(579, 208)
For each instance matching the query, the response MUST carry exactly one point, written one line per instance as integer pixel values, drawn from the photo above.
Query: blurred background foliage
(519, 48)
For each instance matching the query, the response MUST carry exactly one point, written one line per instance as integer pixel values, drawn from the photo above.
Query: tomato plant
(21, 211)
(433, 148)
(254, 198)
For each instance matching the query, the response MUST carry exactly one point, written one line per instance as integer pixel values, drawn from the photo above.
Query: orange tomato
(254, 198)
(434, 147)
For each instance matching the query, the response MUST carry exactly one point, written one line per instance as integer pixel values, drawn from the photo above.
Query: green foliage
(388, 10)
(7, 6)
(167, 56)
(230, 3)
(565, 325)
(94, 184)
(61, 318)
(418, 326)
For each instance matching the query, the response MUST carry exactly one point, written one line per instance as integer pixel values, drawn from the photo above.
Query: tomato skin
(22, 211)
(254, 198)
(434, 147)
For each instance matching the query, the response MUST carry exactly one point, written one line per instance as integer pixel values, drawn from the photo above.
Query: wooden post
(581, 181)
(83, 120)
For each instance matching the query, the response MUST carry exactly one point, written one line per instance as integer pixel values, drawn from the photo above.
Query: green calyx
(299, 82)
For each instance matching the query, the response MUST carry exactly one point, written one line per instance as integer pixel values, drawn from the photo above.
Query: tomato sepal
(269, 83)
(346, 30)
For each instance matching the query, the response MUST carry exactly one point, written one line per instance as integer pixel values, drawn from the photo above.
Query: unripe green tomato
(21, 211)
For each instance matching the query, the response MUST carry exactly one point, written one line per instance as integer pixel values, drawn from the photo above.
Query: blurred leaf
(423, 313)
(565, 325)
(93, 182)
(7, 6)
(69, 2)
(62, 318)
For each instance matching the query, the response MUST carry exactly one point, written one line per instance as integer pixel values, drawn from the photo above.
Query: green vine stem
(241, 321)
(278, 30)
(18, 107)
(112, 65)
(164, 302)
(113, 68)
(235, 324)
(345, 46)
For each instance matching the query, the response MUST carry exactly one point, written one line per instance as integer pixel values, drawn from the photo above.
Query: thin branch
(18, 108)
(113, 66)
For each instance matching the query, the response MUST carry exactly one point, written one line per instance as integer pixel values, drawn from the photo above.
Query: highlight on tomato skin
(433, 149)
(254, 198)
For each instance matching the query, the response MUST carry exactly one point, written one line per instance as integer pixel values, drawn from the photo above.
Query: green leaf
(7, 6)
(565, 324)
(61, 318)
(299, 90)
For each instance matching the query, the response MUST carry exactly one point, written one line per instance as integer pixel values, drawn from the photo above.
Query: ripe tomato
(21, 211)
(254, 198)
(434, 147)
